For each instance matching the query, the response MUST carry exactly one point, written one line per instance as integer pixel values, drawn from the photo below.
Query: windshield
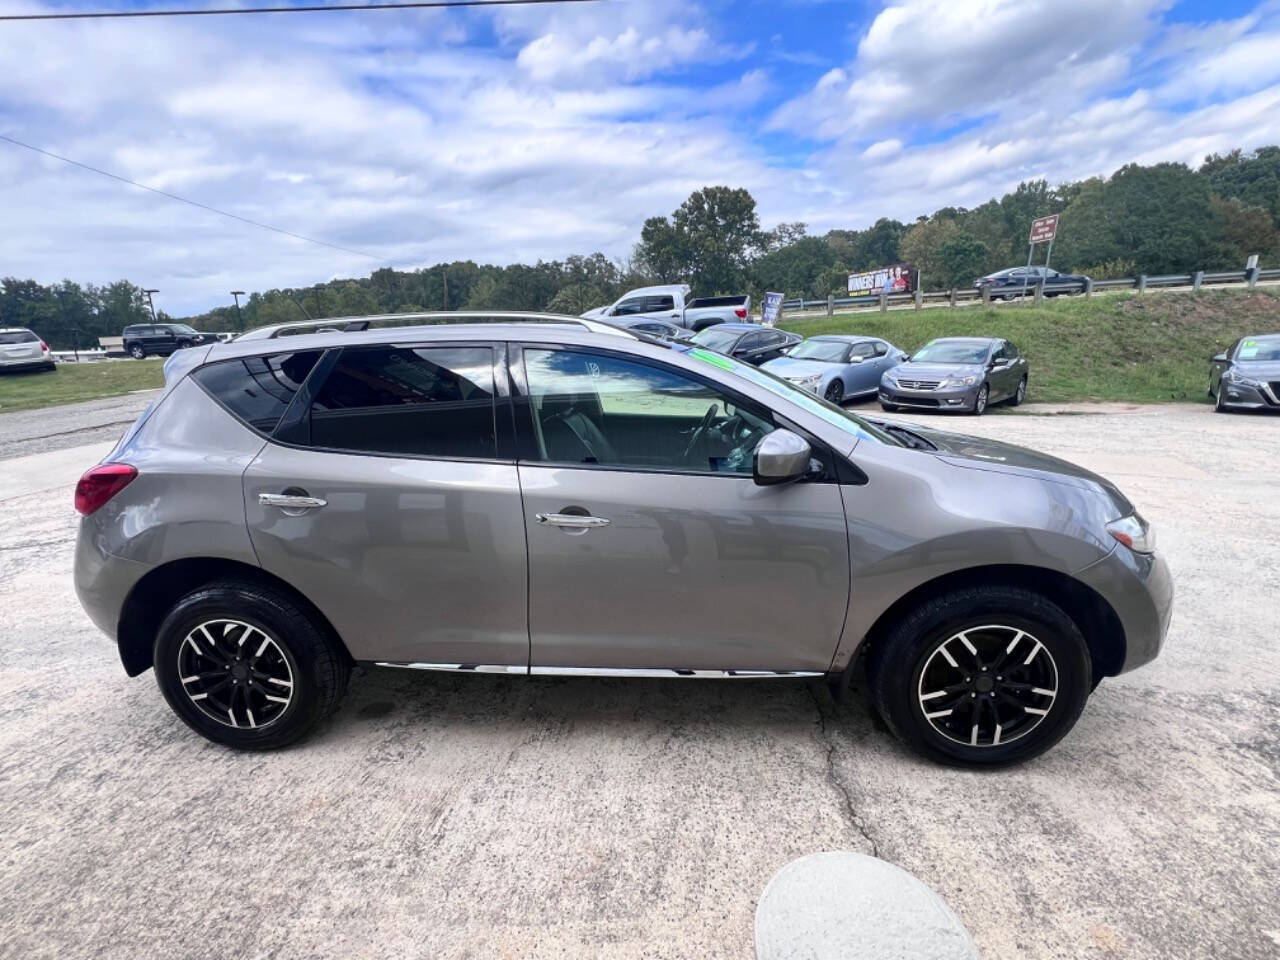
(832, 414)
(1257, 349)
(830, 351)
(717, 339)
(952, 351)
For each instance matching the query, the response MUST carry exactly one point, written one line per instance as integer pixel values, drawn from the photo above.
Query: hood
(596, 314)
(792, 367)
(937, 371)
(1258, 369)
(995, 456)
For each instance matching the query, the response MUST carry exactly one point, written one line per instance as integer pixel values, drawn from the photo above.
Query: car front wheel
(980, 401)
(1220, 400)
(984, 676)
(835, 391)
(137, 351)
(247, 666)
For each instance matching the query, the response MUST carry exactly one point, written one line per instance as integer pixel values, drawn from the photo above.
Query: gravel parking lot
(484, 816)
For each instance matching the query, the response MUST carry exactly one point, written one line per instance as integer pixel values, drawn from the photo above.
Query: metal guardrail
(969, 294)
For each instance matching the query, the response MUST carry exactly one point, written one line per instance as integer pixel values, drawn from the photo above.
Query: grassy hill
(1149, 349)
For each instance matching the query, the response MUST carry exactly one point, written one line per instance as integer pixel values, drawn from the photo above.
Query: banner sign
(1044, 229)
(771, 309)
(899, 278)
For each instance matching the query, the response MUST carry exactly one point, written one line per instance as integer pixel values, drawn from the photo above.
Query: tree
(921, 246)
(961, 258)
(709, 240)
(799, 269)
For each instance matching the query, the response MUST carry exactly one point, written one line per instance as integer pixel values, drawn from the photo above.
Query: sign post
(770, 309)
(1043, 229)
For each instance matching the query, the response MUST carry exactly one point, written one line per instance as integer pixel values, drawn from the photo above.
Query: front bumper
(945, 398)
(1139, 589)
(1247, 397)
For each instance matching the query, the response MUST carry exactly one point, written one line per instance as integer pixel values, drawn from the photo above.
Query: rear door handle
(290, 501)
(571, 520)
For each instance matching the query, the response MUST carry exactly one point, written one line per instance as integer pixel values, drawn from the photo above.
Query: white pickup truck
(671, 303)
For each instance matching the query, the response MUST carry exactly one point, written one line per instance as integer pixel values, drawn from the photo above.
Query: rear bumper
(103, 581)
(1139, 589)
(25, 363)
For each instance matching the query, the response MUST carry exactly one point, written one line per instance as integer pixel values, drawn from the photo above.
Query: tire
(138, 351)
(293, 654)
(909, 661)
(1220, 404)
(1020, 394)
(184, 344)
(50, 367)
(835, 391)
(888, 407)
(980, 401)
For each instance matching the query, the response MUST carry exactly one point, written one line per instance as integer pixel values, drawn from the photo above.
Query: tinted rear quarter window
(405, 401)
(257, 390)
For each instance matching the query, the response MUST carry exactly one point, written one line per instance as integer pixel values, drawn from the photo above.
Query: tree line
(1162, 218)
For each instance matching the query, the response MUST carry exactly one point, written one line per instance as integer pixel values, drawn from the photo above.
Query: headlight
(958, 382)
(810, 381)
(1233, 377)
(1134, 532)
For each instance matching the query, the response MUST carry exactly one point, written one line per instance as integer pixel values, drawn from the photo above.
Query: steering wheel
(698, 432)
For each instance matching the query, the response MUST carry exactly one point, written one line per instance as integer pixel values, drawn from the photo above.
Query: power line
(195, 203)
(228, 11)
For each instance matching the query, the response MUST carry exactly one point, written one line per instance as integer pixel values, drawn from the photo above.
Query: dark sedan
(1007, 284)
(748, 342)
(965, 374)
(1247, 377)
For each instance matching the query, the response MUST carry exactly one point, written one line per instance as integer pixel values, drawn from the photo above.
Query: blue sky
(518, 134)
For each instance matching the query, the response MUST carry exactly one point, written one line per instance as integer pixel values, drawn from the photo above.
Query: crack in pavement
(833, 778)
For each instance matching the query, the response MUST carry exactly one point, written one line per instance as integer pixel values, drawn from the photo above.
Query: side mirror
(781, 457)
(906, 358)
(855, 359)
(1219, 358)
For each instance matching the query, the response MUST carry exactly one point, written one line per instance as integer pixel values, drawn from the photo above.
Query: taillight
(44, 347)
(100, 484)
(741, 313)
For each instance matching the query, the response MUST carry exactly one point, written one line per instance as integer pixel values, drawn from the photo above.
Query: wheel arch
(1097, 620)
(155, 594)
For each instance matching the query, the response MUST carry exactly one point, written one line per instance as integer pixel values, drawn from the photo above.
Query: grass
(78, 381)
(1153, 348)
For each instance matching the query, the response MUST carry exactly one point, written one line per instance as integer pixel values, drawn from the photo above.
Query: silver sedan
(838, 368)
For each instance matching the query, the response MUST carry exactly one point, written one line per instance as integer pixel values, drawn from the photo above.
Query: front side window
(628, 307)
(594, 408)
(408, 401)
(257, 390)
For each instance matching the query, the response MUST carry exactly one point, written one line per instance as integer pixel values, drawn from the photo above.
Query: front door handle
(571, 520)
(290, 501)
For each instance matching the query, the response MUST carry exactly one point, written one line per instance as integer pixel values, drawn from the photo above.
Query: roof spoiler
(356, 324)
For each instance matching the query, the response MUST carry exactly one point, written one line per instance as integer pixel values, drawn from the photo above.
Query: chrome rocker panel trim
(653, 672)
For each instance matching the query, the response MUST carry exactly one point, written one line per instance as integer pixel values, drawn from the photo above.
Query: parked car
(20, 349)
(672, 303)
(837, 367)
(1007, 284)
(958, 373)
(1247, 376)
(661, 329)
(161, 339)
(749, 342)
(567, 499)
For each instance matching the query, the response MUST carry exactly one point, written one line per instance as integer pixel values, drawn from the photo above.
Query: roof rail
(353, 324)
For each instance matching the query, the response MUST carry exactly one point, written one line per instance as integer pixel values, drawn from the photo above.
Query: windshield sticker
(715, 359)
(1248, 351)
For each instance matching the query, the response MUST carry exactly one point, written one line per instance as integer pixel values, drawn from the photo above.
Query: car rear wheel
(1020, 394)
(834, 391)
(137, 351)
(245, 665)
(980, 401)
(983, 677)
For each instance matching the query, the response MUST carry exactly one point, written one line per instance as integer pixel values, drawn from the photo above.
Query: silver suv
(565, 498)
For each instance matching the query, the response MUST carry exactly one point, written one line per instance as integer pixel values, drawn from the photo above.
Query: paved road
(499, 817)
(70, 425)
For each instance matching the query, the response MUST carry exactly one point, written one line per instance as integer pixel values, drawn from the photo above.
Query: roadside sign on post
(1044, 229)
(770, 309)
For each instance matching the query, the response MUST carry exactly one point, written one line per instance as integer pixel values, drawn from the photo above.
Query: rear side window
(655, 304)
(18, 336)
(406, 401)
(258, 389)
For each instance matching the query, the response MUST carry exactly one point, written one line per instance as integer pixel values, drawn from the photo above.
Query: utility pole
(151, 303)
(239, 316)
